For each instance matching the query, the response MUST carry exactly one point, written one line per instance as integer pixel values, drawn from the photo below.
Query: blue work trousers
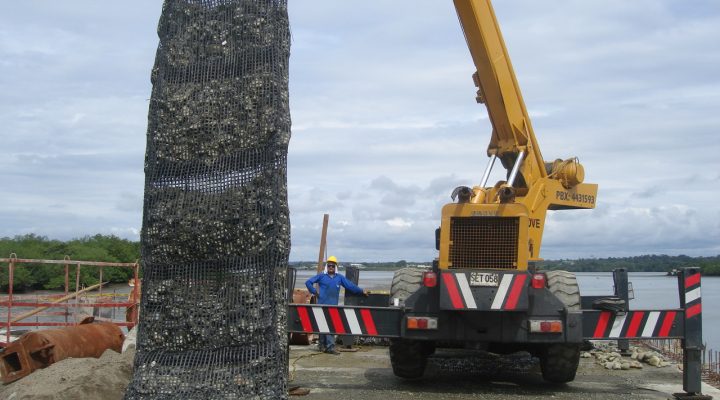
(327, 342)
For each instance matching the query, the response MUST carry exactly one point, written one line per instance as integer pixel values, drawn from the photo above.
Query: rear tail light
(538, 281)
(412, 323)
(546, 326)
(430, 279)
(422, 323)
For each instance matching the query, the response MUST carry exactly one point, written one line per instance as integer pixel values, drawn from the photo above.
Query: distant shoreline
(710, 266)
(631, 270)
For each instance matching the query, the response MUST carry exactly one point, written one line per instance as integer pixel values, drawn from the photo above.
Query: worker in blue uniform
(330, 283)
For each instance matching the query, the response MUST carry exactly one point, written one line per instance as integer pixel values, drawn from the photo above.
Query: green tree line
(646, 263)
(52, 276)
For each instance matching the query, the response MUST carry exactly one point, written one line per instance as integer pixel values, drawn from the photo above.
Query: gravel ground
(367, 375)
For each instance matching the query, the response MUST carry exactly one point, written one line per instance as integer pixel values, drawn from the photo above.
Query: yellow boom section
(499, 90)
(501, 225)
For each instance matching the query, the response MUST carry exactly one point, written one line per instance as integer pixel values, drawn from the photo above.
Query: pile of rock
(609, 357)
(612, 360)
(649, 357)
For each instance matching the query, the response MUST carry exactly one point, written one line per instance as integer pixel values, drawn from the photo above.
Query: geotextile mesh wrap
(215, 236)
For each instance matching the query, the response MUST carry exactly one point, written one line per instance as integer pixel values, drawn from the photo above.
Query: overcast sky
(384, 120)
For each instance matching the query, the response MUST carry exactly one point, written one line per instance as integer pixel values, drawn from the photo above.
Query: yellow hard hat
(331, 259)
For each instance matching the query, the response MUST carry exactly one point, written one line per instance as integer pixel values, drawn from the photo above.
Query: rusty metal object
(12, 302)
(298, 391)
(35, 350)
(301, 296)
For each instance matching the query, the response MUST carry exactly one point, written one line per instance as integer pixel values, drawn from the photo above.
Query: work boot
(321, 348)
(333, 352)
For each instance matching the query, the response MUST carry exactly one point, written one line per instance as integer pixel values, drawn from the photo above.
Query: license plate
(484, 279)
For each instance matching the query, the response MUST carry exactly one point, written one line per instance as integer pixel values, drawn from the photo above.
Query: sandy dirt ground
(76, 378)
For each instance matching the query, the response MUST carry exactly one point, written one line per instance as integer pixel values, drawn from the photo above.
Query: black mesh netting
(215, 236)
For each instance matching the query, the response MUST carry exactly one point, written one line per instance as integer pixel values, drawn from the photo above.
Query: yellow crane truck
(484, 290)
(490, 238)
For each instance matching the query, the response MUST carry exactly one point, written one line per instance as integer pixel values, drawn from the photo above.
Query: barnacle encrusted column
(215, 236)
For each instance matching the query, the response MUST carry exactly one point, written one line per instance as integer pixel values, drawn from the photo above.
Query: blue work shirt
(330, 287)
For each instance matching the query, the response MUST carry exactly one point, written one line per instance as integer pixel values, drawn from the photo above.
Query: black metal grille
(484, 242)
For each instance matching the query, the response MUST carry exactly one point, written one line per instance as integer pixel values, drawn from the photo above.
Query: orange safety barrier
(62, 306)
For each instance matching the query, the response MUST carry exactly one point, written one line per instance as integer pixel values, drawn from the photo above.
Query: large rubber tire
(408, 357)
(405, 282)
(564, 286)
(559, 362)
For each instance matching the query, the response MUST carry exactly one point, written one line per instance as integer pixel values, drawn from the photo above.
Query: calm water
(653, 290)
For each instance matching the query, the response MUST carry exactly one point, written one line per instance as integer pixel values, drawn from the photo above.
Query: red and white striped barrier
(693, 299)
(509, 295)
(347, 320)
(633, 324)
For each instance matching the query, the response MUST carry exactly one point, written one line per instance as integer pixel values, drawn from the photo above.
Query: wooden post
(323, 243)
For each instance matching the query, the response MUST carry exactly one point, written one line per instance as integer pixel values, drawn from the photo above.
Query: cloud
(399, 223)
(129, 202)
(626, 231)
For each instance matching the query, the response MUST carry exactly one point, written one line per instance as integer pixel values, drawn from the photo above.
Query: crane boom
(499, 90)
(533, 186)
